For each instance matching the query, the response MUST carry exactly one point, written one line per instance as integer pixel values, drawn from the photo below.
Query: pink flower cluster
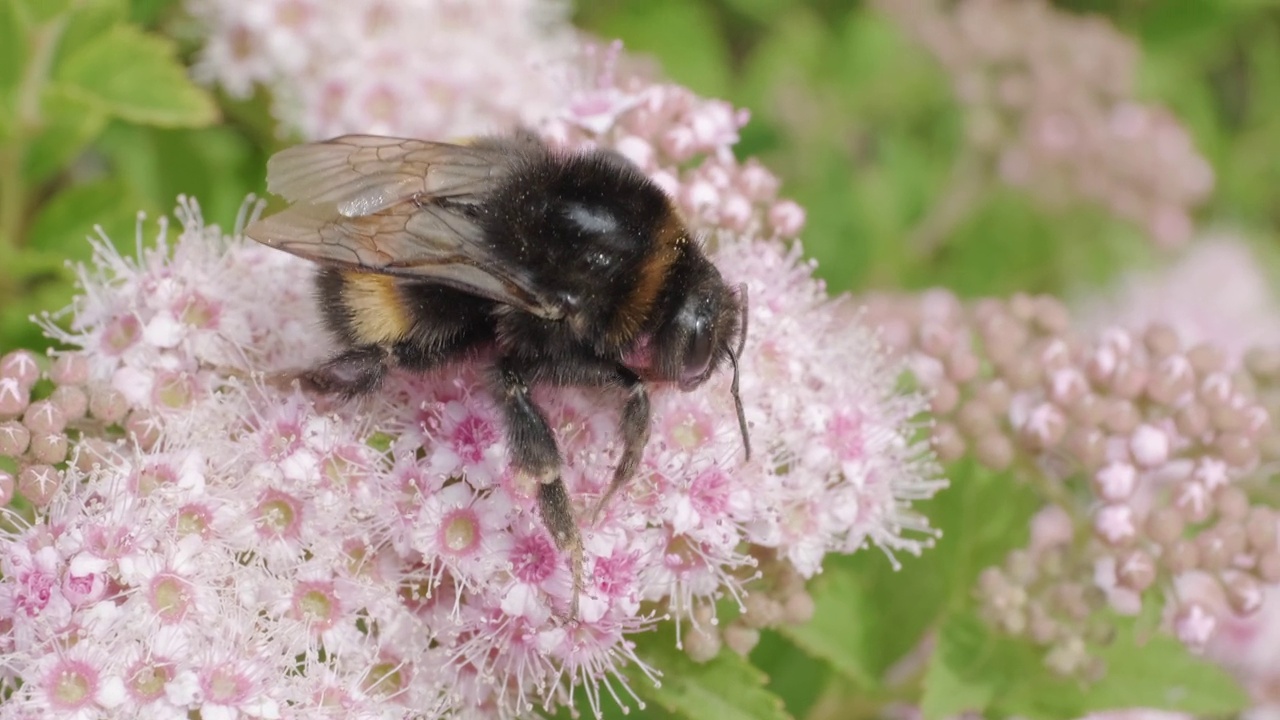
(428, 68)
(1150, 454)
(252, 551)
(1052, 109)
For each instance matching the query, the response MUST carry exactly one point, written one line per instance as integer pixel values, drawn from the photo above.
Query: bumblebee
(572, 269)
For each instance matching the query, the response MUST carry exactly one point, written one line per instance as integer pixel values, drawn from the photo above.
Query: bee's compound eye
(698, 357)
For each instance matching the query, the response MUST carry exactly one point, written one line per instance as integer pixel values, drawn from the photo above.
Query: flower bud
(741, 639)
(39, 484)
(1135, 570)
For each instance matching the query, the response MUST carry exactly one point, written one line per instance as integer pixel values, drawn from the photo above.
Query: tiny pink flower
(1194, 499)
(1115, 523)
(470, 442)
(36, 575)
(1149, 445)
(85, 581)
(1194, 625)
(76, 690)
(1212, 473)
(1116, 481)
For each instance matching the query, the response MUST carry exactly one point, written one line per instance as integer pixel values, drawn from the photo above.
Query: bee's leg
(533, 451)
(635, 435)
(634, 426)
(362, 369)
(355, 372)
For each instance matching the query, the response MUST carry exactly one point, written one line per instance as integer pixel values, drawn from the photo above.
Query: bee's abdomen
(363, 308)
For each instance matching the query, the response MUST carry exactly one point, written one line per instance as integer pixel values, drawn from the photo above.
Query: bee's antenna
(737, 400)
(733, 360)
(742, 303)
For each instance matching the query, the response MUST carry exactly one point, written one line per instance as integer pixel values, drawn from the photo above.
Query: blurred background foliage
(862, 125)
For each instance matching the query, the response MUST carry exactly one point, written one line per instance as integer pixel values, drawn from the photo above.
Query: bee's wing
(365, 202)
(362, 174)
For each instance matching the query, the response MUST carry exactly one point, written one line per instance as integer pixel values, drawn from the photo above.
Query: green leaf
(1160, 674)
(13, 55)
(974, 668)
(147, 12)
(842, 631)
(71, 123)
(32, 282)
(218, 166)
(135, 76)
(965, 670)
(86, 21)
(685, 35)
(762, 11)
(868, 616)
(41, 10)
(1166, 24)
(794, 675)
(726, 688)
(791, 51)
(64, 223)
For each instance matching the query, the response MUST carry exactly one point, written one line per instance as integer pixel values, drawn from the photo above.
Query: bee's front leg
(634, 426)
(635, 435)
(533, 451)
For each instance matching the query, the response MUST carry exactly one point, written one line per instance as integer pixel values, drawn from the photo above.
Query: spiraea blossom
(1050, 103)
(428, 68)
(1188, 295)
(200, 535)
(1148, 452)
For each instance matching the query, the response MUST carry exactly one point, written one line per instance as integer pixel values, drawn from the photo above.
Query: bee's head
(705, 328)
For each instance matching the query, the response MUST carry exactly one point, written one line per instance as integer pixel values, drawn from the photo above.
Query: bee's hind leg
(533, 451)
(557, 514)
(357, 371)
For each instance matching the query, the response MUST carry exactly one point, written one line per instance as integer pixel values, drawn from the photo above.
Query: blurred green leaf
(786, 59)
(13, 55)
(977, 669)
(40, 11)
(31, 282)
(147, 12)
(794, 675)
(218, 166)
(71, 123)
(64, 224)
(684, 34)
(136, 77)
(1174, 81)
(725, 688)
(964, 670)
(16, 327)
(1185, 22)
(868, 615)
(86, 21)
(1161, 673)
(762, 11)
(842, 629)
